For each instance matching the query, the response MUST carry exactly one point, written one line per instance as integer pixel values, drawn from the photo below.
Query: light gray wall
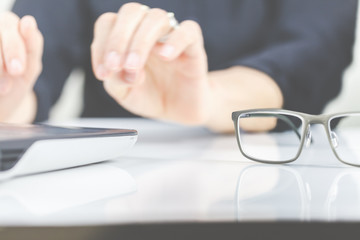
(70, 104)
(349, 97)
(5, 4)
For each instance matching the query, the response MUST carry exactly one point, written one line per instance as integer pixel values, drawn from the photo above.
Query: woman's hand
(21, 46)
(165, 79)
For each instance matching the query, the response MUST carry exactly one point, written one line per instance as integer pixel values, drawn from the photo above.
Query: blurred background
(70, 103)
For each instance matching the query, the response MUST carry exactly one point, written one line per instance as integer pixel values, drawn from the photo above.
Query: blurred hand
(21, 46)
(164, 80)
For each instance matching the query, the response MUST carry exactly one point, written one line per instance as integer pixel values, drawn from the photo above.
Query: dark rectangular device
(26, 149)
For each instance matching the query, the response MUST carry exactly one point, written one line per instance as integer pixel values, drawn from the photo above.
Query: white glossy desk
(181, 174)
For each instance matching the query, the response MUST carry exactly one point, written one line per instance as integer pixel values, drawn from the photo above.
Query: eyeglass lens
(270, 146)
(345, 137)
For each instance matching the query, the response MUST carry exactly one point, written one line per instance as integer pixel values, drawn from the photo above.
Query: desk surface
(182, 174)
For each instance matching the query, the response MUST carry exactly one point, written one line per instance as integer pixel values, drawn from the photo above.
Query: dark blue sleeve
(61, 23)
(309, 46)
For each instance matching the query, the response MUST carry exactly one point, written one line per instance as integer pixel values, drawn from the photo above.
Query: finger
(13, 49)
(116, 89)
(5, 83)
(34, 44)
(102, 29)
(153, 27)
(187, 39)
(2, 63)
(4, 86)
(120, 91)
(128, 19)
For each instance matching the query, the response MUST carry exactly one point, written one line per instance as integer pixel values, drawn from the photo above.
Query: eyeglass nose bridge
(315, 120)
(320, 120)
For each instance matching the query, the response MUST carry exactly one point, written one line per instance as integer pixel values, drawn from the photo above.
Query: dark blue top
(303, 44)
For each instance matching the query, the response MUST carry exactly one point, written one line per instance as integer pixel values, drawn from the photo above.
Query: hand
(167, 80)
(21, 46)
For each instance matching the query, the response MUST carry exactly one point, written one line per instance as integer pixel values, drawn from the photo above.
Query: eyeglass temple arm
(282, 117)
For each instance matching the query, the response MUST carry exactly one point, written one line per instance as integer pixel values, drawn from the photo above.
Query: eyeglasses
(291, 131)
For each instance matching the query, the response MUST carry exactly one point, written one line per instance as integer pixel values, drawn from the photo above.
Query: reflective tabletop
(184, 174)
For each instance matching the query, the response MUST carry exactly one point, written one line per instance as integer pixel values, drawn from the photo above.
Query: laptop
(35, 148)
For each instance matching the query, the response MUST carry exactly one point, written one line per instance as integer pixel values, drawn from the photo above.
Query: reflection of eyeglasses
(285, 147)
(285, 192)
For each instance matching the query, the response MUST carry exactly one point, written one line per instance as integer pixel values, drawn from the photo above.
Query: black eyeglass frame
(306, 120)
